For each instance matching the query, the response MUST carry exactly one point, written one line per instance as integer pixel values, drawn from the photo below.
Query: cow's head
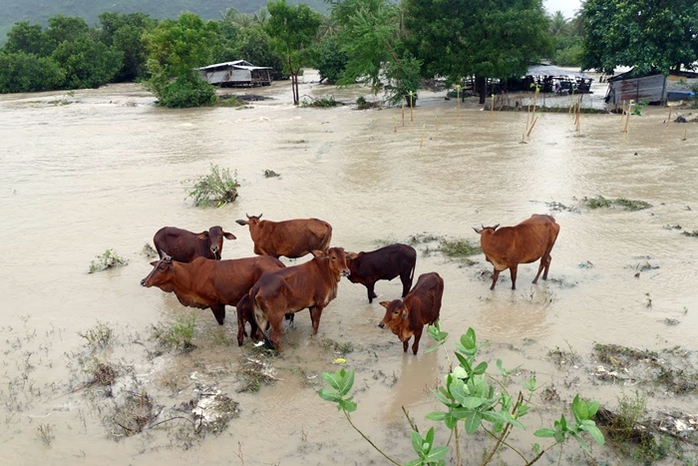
(214, 238)
(161, 273)
(251, 220)
(483, 228)
(337, 260)
(396, 314)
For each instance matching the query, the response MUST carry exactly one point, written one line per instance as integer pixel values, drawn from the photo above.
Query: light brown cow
(311, 285)
(207, 283)
(420, 307)
(290, 238)
(530, 240)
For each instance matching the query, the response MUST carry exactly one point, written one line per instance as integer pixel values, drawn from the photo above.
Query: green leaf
(333, 378)
(465, 363)
(436, 416)
(417, 442)
(536, 448)
(472, 423)
(348, 405)
(468, 340)
(418, 462)
(430, 437)
(436, 454)
(494, 417)
(502, 371)
(544, 433)
(480, 369)
(590, 426)
(450, 421)
(329, 395)
(459, 372)
(579, 409)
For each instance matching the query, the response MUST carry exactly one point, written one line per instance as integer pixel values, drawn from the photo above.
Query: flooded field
(105, 169)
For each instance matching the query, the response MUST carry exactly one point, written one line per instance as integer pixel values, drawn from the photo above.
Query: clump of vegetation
(458, 248)
(99, 336)
(338, 347)
(215, 189)
(474, 402)
(131, 414)
(149, 251)
(45, 433)
(214, 412)
(363, 104)
(179, 335)
(562, 357)
(559, 207)
(322, 102)
(108, 260)
(628, 204)
(270, 174)
(256, 371)
(229, 100)
(690, 234)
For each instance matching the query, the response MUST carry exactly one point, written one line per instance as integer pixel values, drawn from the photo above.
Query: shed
(548, 79)
(651, 88)
(236, 73)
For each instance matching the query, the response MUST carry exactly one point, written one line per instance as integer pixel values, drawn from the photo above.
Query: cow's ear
(229, 235)
(154, 263)
(202, 235)
(241, 222)
(352, 255)
(317, 253)
(385, 304)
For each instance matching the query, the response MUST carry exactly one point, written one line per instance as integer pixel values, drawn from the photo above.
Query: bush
(185, 92)
(215, 189)
(109, 259)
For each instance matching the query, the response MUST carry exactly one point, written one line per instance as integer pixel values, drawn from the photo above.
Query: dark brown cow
(420, 307)
(530, 240)
(185, 246)
(290, 238)
(311, 285)
(206, 283)
(385, 263)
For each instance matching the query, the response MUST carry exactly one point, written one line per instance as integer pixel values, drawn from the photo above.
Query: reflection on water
(110, 169)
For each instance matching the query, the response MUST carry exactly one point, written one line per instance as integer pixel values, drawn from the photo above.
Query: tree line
(386, 45)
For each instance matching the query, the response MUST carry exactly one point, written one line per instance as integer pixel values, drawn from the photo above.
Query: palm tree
(559, 26)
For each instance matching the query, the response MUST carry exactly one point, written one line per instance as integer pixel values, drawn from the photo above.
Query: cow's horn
(247, 215)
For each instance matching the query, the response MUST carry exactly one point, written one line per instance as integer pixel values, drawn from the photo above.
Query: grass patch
(627, 204)
(338, 347)
(215, 189)
(561, 357)
(229, 100)
(322, 102)
(458, 248)
(178, 336)
(131, 414)
(99, 336)
(270, 174)
(257, 371)
(108, 260)
(690, 234)
(45, 433)
(149, 251)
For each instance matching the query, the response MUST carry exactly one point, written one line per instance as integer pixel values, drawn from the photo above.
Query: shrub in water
(217, 188)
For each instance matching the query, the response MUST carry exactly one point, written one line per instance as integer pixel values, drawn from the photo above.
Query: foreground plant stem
(501, 439)
(346, 414)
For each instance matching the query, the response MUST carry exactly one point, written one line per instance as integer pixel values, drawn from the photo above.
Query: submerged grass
(216, 189)
(108, 260)
(178, 336)
(627, 204)
(99, 336)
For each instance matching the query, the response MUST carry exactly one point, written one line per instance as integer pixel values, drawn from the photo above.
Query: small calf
(420, 307)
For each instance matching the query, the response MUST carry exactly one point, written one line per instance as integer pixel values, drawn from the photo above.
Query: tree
(175, 50)
(63, 28)
(645, 34)
(27, 72)
(25, 38)
(254, 45)
(87, 63)
(293, 30)
(331, 60)
(124, 32)
(483, 38)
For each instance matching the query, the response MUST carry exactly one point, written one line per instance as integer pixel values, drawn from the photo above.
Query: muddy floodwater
(102, 169)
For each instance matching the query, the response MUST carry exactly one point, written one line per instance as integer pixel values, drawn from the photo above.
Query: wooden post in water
(627, 118)
(411, 106)
(622, 113)
(458, 86)
(492, 110)
(403, 114)
(394, 124)
(669, 117)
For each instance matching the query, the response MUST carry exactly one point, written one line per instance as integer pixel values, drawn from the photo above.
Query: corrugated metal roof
(240, 64)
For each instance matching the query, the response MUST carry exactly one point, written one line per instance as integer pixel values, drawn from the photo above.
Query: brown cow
(530, 240)
(206, 283)
(185, 246)
(311, 285)
(290, 238)
(420, 307)
(385, 263)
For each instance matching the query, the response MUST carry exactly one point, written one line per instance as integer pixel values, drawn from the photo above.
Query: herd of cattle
(264, 290)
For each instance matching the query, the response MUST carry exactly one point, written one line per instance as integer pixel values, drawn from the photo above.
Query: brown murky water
(106, 170)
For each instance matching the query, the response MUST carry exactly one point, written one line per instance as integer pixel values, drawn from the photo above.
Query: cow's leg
(415, 345)
(547, 266)
(241, 327)
(495, 276)
(405, 344)
(406, 280)
(540, 269)
(219, 312)
(512, 271)
(315, 314)
(371, 293)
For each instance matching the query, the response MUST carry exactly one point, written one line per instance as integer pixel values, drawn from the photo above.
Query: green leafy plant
(109, 259)
(474, 402)
(215, 189)
(179, 336)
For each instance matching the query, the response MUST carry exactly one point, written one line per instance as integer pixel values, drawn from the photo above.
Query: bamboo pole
(671, 107)
(411, 106)
(403, 113)
(622, 113)
(492, 110)
(627, 118)
(394, 124)
(458, 86)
